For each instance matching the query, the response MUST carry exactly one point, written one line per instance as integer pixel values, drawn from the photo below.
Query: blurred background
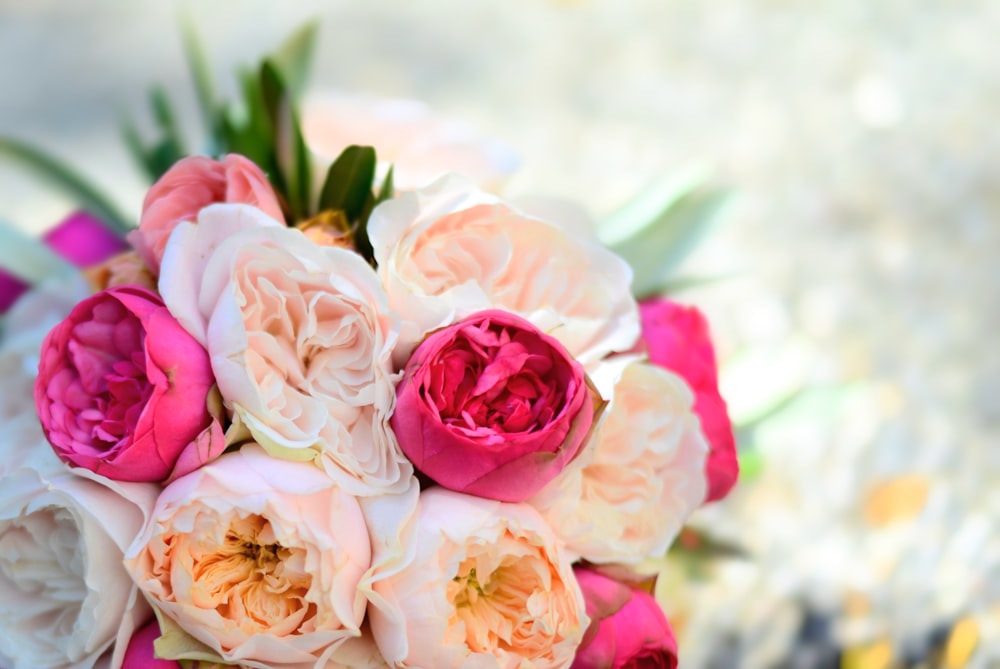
(856, 291)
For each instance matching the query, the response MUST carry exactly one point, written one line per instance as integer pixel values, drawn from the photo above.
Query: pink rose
(191, 184)
(122, 389)
(80, 238)
(627, 630)
(493, 407)
(677, 338)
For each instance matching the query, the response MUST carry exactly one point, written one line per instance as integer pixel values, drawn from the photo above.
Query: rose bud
(493, 407)
(122, 389)
(677, 338)
(627, 627)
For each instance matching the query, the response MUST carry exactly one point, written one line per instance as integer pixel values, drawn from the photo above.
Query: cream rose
(257, 558)
(488, 586)
(627, 495)
(65, 597)
(449, 250)
(300, 338)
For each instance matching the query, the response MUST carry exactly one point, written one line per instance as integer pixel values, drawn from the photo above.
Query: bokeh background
(858, 292)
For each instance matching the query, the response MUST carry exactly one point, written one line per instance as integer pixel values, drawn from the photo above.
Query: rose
(64, 595)
(300, 338)
(140, 653)
(627, 496)
(417, 144)
(677, 338)
(122, 389)
(189, 185)
(627, 630)
(492, 407)
(488, 586)
(449, 250)
(80, 238)
(258, 559)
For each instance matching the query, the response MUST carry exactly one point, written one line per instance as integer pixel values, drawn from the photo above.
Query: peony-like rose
(492, 407)
(628, 629)
(488, 587)
(191, 184)
(65, 597)
(300, 338)
(627, 496)
(258, 559)
(677, 338)
(418, 144)
(122, 389)
(448, 250)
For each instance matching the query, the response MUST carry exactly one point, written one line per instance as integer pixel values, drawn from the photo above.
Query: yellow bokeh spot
(876, 655)
(961, 644)
(896, 500)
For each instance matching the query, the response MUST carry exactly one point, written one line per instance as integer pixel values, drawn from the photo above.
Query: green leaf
(388, 189)
(349, 181)
(289, 153)
(59, 175)
(294, 57)
(202, 78)
(655, 250)
(27, 257)
(649, 205)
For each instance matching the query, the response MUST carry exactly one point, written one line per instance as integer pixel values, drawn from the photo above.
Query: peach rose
(259, 559)
(191, 184)
(449, 250)
(488, 586)
(300, 338)
(627, 495)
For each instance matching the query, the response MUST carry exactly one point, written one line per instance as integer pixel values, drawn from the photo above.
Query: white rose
(449, 250)
(259, 559)
(488, 586)
(300, 337)
(627, 495)
(65, 596)
(418, 144)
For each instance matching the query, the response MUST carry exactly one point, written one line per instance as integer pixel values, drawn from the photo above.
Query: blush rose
(191, 184)
(492, 407)
(676, 337)
(122, 389)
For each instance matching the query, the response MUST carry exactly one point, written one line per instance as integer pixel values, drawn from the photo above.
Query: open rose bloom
(422, 440)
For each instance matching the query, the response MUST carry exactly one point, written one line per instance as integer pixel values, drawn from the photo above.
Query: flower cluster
(436, 440)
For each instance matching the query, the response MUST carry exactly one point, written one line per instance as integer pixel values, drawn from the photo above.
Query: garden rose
(300, 337)
(488, 586)
(627, 496)
(492, 407)
(418, 144)
(677, 338)
(259, 559)
(65, 597)
(192, 183)
(627, 630)
(448, 250)
(122, 389)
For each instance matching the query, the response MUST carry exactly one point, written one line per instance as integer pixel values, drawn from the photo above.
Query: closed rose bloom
(492, 407)
(122, 388)
(448, 250)
(488, 587)
(629, 493)
(300, 337)
(257, 558)
(627, 630)
(191, 184)
(66, 601)
(677, 338)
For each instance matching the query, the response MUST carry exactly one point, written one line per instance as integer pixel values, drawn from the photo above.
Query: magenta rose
(122, 389)
(628, 629)
(141, 654)
(676, 337)
(491, 406)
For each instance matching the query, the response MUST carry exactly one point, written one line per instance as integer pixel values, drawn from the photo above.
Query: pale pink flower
(628, 494)
(449, 250)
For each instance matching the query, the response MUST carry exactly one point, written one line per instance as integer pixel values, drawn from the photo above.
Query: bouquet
(290, 421)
